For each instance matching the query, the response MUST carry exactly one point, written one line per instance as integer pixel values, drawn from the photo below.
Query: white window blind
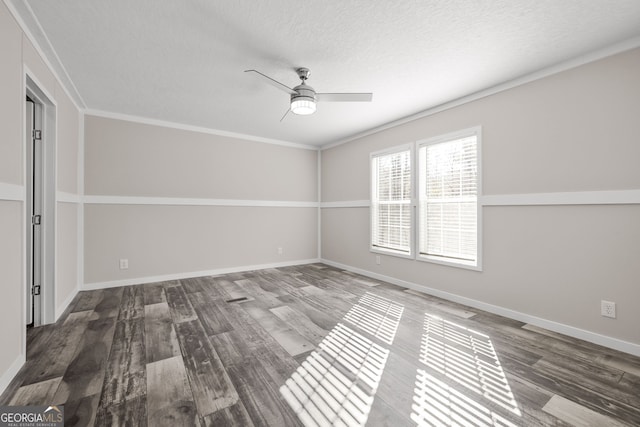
(448, 200)
(391, 202)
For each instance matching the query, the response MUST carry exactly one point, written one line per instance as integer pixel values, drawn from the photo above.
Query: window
(448, 199)
(426, 207)
(391, 210)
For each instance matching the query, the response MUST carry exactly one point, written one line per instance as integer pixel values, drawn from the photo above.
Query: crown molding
(180, 126)
(527, 78)
(30, 26)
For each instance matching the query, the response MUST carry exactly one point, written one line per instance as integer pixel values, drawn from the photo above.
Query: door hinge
(36, 134)
(35, 290)
(36, 219)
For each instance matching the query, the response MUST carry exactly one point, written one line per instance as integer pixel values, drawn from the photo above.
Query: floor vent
(241, 299)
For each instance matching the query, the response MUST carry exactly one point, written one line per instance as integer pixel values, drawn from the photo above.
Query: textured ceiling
(183, 61)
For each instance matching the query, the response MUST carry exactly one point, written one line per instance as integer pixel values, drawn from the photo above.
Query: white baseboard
(65, 303)
(10, 373)
(571, 331)
(188, 275)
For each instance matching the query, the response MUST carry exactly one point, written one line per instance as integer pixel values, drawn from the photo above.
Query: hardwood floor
(313, 345)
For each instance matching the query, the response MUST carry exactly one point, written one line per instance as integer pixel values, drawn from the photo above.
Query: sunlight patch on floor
(376, 315)
(337, 383)
(467, 358)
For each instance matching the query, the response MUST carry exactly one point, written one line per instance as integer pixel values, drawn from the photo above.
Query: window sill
(391, 252)
(467, 265)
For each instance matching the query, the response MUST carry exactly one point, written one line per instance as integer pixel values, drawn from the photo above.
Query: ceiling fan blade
(285, 115)
(272, 82)
(344, 97)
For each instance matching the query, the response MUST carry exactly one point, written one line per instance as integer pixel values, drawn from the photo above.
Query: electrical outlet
(280, 251)
(124, 264)
(377, 259)
(608, 309)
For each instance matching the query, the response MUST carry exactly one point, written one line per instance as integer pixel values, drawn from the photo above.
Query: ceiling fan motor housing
(304, 92)
(303, 102)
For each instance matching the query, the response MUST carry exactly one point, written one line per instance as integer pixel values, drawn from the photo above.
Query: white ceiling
(183, 61)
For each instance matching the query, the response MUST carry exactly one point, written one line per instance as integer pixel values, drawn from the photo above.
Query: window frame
(410, 147)
(414, 235)
(464, 133)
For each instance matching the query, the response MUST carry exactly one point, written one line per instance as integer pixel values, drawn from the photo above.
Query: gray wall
(11, 173)
(224, 203)
(176, 202)
(18, 56)
(574, 132)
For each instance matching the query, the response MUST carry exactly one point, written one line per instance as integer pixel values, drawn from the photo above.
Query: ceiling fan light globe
(303, 106)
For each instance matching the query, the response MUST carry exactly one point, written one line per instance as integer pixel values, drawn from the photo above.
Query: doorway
(40, 204)
(34, 173)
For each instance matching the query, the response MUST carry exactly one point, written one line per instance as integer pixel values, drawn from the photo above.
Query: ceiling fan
(304, 97)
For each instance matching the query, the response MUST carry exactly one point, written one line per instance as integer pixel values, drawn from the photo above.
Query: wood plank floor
(313, 345)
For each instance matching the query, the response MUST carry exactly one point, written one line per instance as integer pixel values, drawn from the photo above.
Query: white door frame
(35, 91)
(33, 202)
